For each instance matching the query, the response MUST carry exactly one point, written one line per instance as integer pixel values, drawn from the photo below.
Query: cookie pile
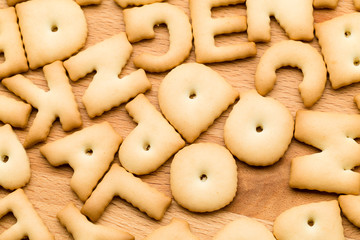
(50, 36)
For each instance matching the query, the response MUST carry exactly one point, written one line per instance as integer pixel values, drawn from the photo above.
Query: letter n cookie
(295, 16)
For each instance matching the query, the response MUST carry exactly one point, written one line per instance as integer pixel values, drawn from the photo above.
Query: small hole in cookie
(311, 222)
(347, 34)
(356, 61)
(5, 158)
(259, 129)
(2, 57)
(192, 96)
(54, 28)
(89, 151)
(147, 147)
(203, 177)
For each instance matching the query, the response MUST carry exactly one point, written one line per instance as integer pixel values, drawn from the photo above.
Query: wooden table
(263, 192)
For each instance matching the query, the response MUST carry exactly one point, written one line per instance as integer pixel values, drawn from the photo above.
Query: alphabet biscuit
(151, 143)
(203, 177)
(179, 28)
(205, 28)
(47, 103)
(88, 151)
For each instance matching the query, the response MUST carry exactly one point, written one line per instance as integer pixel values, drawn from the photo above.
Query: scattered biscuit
(325, 3)
(14, 163)
(294, 54)
(80, 228)
(51, 30)
(320, 220)
(203, 177)
(28, 224)
(47, 103)
(338, 39)
(139, 25)
(107, 90)
(126, 3)
(331, 170)
(151, 143)
(89, 152)
(11, 44)
(244, 228)
(119, 182)
(176, 230)
(206, 28)
(13, 112)
(350, 207)
(295, 17)
(256, 123)
(192, 96)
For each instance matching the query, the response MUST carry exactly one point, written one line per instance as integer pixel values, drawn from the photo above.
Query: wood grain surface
(263, 192)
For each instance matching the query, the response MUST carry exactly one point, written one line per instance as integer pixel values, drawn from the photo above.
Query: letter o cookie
(203, 177)
(258, 130)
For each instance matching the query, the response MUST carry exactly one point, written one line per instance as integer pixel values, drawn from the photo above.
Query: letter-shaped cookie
(58, 102)
(11, 45)
(119, 182)
(28, 224)
(13, 112)
(139, 24)
(203, 177)
(206, 28)
(51, 30)
(244, 228)
(258, 130)
(14, 163)
(331, 169)
(350, 207)
(320, 220)
(125, 3)
(295, 16)
(338, 39)
(106, 90)
(151, 143)
(294, 54)
(177, 229)
(89, 152)
(192, 96)
(80, 228)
